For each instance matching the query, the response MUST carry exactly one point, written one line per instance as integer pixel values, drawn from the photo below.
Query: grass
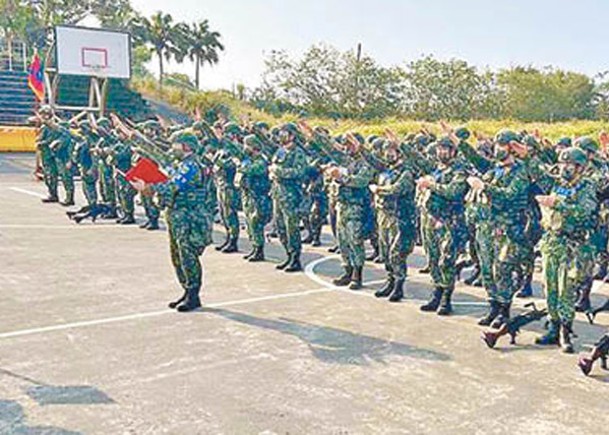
(187, 100)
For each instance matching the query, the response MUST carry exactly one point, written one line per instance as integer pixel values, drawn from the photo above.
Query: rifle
(591, 314)
(513, 326)
(600, 351)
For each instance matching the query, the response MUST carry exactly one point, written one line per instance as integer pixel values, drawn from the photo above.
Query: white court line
(136, 316)
(27, 192)
(60, 227)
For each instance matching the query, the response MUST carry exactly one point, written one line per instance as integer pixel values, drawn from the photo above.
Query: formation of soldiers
(493, 204)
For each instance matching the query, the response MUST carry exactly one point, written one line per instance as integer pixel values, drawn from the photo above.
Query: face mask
(445, 157)
(501, 154)
(568, 173)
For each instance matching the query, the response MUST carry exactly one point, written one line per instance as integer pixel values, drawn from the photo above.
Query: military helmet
(422, 139)
(291, 128)
(252, 141)
(445, 142)
(462, 133)
(564, 142)
(359, 138)
(232, 128)
(587, 144)
(261, 125)
(186, 138)
(378, 144)
(104, 123)
(505, 137)
(371, 138)
(573, 155)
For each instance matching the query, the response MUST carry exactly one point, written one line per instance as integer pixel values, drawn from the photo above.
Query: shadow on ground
(333, 345)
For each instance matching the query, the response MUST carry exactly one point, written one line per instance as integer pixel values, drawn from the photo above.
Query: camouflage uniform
(62, 148)
(568, 254)
(225, 170)
(255, 187)
(49, 166)
(444, 210)
(87, 164)
(106, 169)
(189, 222)
(122, 155)
(352, 202)
(289, 171)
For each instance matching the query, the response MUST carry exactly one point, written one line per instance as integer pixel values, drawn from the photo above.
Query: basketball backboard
(93, 52)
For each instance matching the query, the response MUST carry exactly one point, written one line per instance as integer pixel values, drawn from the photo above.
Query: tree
(163, 35)
(201, 46)
(114, 14)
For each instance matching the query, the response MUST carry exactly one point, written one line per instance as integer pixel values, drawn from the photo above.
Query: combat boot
(398, 291)
(474, 276)
(250, 254)
(257, 256)
(583, 302)
(550, 338)
(503, 317)
(174, 304)
(334, 249)
(387, 289)
(434, 302)
(111, 214)
(491, 315)
(426, 270)
(285, 263)
(294, 265)
(345, 278)
(144, 225)
(526, 291)
(231, 247)
(356, 279)
(566, 332)
(69, 201)
(446, 307)
(153, 225)
(223, 245)
(50, 199)
(128, 220)
(316, 238)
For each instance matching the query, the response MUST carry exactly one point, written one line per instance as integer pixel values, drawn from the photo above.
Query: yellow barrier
(17, 139)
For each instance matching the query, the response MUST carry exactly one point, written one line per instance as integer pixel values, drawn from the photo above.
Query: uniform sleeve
(580, 211)
(472, 156)
(454, 190)
(358, 179)
(296, 169)
(404, 184)
(518, 186)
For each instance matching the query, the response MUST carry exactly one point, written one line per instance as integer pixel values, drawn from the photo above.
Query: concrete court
(87, 345)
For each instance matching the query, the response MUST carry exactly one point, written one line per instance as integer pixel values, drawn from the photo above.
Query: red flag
(147, 171)
(35, 78)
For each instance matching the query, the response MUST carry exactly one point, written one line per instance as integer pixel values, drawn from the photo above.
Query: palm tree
(202, 46)
(162, 34)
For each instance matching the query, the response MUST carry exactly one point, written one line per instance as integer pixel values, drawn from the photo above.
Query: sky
(570, 34)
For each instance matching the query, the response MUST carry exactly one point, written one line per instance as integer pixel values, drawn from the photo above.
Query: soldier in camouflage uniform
(287, 172)
(353, 177)
(103, 151)
(505, 189)
(189, 221)
(443, 199)
(121, 158)
(62, 148)
(49, 167)
(225, 170)
(86, 162)
(570, 212)
(255, 187)
(394, 194)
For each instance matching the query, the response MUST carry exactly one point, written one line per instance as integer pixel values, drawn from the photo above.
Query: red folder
(147, 171)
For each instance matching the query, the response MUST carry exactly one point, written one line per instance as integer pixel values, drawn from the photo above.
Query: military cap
(504, 137)
(232, 128)
(573, 155)
(252, 141)
(462, 133)
(445, 142)
(564, 142)
(587, 144)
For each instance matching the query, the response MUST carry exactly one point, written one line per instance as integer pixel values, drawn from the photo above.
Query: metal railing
(13, 55)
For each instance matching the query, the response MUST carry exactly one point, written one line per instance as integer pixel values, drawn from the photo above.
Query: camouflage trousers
(442, 247)
(485, 251)
(287, 218)
(89, 186)
(315, 216)
(67, 179)
(258, 211)
(189, 235)
(152, 211)
(566, 264)
(228, 201)
(508, 266)
(107, 184)
(126, 195)
(396, 239)
(350, 228)
(49, 169)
